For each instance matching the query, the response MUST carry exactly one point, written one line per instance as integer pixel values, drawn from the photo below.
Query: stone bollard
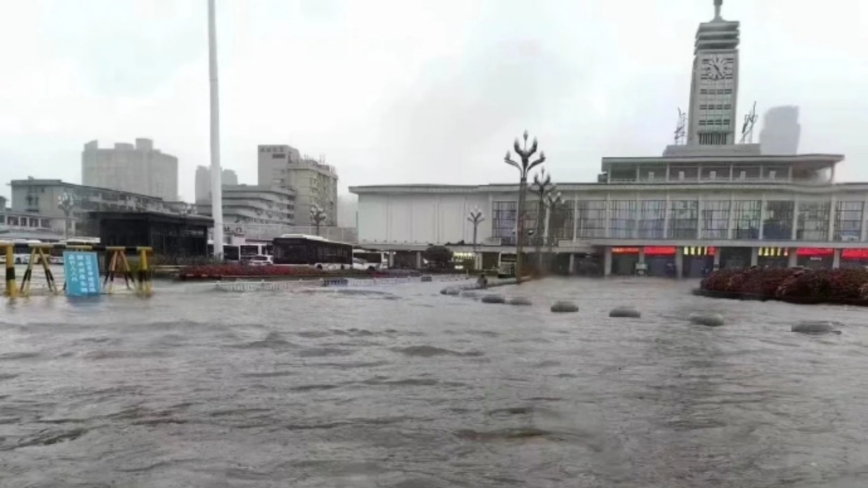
(450, 291)
(625, 312)
(493, 299)
(707, 319)
(469, 294)
(817, 327)
(565, 307)
(521, 301)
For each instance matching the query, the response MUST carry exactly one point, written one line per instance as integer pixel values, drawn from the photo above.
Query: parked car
(260, 260)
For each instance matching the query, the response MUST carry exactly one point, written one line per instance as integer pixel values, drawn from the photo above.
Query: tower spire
(717, 5)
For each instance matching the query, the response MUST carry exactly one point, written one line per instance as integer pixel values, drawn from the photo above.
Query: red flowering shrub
(802, 285)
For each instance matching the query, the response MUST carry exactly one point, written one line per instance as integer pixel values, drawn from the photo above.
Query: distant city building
(781, 131)
(131, 168)
(348, 211)
(314, 182)
(39, 197)
(250, 204)
(203, 182)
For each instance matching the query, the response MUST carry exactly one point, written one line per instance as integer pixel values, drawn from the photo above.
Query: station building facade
(709, 201)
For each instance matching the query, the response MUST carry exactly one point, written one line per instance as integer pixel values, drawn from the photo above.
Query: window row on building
(780, 220)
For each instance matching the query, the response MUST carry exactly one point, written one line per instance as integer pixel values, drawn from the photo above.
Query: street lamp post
(524, 168)
(475, 217)
(66, 203)
(317, 216)
(542, 187)
(553, 203)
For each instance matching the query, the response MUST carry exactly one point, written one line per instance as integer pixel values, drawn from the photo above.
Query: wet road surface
(399, 386)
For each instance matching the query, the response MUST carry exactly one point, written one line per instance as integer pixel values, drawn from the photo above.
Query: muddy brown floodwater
(399, 386)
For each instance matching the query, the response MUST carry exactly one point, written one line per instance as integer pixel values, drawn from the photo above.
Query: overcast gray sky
(409, 91)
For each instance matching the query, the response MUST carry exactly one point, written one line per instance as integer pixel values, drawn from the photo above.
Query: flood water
(399, 386)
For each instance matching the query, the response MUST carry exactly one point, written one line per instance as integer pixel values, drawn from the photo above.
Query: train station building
(711, 199)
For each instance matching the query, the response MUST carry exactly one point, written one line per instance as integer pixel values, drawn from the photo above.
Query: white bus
(21, 251)
(314, 251)
(251, 249)
(231, 252)
(377, 260)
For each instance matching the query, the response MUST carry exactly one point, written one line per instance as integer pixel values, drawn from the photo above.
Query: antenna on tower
(680, 128)
(747, 127)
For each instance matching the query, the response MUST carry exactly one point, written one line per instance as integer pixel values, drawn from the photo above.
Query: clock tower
(714, 85)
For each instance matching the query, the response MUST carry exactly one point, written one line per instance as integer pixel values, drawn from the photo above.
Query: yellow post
(11, 287)
(49, 278)
(145, 285)
(28, 273)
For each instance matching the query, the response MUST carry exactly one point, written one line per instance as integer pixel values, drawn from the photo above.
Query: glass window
(778, 224)
(683, 219)
(561, 221)
(746, 219)
(848, 221)
(622, 217)
(652, 219)
(715, 219)
(591, 219)
(813, 221)
(503, 221)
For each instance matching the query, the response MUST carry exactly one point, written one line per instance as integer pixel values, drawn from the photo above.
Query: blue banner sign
(81, 270)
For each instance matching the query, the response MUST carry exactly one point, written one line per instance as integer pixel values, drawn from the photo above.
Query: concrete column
(679, 262)
(832, 214)
(864, 234)
(641, 255)
(717, 258)
(667, 172)
(729, 226)
(418, 259)
(607, 261)
(572, 269)
(762, 222)
(391, 259)
(754, 256)
(836, 259)
(576, 218)
(700, 205)
(793, 258)
(666, 212)
(608, 215)
(795, 216)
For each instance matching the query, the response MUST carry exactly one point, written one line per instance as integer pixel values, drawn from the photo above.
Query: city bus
(375, 259)
(56, 254)
(231, 252)
(314, 251)
(251, 249)
(21, 251)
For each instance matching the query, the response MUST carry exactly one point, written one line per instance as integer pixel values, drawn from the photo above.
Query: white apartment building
(228, 177)
(244, 205)
(314, 182)
(707, 203)
(131, 168)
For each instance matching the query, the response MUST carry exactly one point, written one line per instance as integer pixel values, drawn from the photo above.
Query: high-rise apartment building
(203, 182)
(781, 131)
(131, 168)
(314, 182)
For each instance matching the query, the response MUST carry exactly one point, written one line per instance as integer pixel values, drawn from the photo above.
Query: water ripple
(327, 387)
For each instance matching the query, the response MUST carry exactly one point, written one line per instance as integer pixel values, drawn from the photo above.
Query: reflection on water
(403, 387)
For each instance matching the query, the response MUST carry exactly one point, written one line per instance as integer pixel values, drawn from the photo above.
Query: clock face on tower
(718, 67)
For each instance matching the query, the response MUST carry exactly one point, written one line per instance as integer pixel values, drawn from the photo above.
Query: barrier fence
(118, 265)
